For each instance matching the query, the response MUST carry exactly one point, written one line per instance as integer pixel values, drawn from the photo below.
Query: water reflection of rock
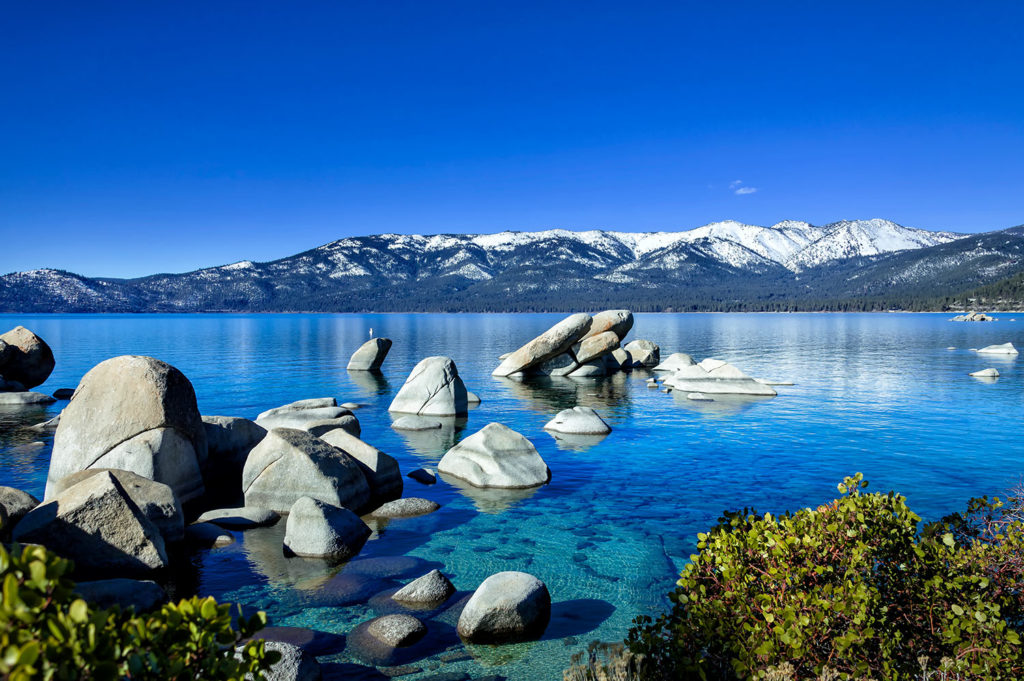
(264, 547)
(555, 393)
(576, 442)
(372, 382)
(721, 404)
(490, 499)
(432, 444)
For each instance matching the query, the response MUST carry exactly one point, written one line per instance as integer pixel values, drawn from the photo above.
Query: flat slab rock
(25, 398)
(415, 422)
(405, 508)
(241, 518)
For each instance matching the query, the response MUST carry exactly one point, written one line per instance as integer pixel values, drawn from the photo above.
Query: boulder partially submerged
(676, 361)
(506, 608)
(370, 355)
(430, 590)
(322, 530)
(1002, 349)
(433, 388)
(138, 414)
(578, 421)
(496, 456)
(985, 373)
(25, 358)
(715, 377)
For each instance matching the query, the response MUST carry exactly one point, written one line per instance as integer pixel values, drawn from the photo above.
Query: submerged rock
(578, 421)
(553, 342)
(507, 607)
(289, 464)
(295, 664)
(405, 508)
(24, 398)
(208, 535)
(136, 414)
(396, 631)
(496, 456)
(241, 518)
(25, 358)
(414, 422)
(433, 388)
(715, 377)
(427, 476)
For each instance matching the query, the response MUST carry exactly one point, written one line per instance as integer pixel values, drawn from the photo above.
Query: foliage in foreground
(47, 632)
(850, 590)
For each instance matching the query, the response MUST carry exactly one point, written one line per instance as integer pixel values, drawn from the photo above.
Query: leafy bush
(850, 590)
(47, 632)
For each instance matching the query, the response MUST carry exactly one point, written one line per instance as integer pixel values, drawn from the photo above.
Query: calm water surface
(876, 393)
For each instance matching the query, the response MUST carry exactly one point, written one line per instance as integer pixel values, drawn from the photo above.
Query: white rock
(414, 422)
(507, 607)
(986, 373)
(370, 355)
(1004, 349)
(698, 397)
(643, 353)
(675, 361)
(578, 421)
(496, 456)
(431, 589)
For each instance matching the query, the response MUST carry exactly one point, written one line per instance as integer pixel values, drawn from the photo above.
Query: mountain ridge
(722, 265)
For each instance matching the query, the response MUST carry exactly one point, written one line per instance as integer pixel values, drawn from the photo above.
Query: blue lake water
(876, 393)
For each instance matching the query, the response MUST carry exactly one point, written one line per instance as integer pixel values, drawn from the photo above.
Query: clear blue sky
(139, 137)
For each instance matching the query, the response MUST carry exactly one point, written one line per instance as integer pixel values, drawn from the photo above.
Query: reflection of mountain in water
(490, 499)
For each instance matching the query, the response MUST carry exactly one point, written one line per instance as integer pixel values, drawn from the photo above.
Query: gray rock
(26, 357)
(241, 518)
(496, 456)
(300, 405)
(1003, 349)
(424, 475)
(64, 393)
(46, 425)
(96, 524)
(553, 342)
(299, 418)
(595, 347)
(295, 664)
(380, 470)
(347, 423)
(618, 322)
(985, 373)
(142, 594)
(675, 361)
(289, 464)
(14, 504)
(405, 508)
(472, 397)
(208, 535)
(414, 422)
(578, 421)
(432, 389)
(430, 590)
(559, 365)
(321, 530)
(698, 397)
(229, 440)
(593, 369)
(508, 607)
(155, 499)
(370, 355)
(619, 359)
(397, 631)
(24, 398)
(351, 405)
(644, 353)
(721, 379)
(137, 414)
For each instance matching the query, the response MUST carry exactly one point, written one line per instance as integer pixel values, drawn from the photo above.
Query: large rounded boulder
(289, 464)
(578, 421)
(496, 456)
(136, 414)
(433, 388)
(319, 530)
(508, 607)
(25, 358)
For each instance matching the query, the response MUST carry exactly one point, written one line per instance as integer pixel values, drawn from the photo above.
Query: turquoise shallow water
(876, 393)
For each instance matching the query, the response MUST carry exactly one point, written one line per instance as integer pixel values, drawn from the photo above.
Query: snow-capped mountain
(728, 262)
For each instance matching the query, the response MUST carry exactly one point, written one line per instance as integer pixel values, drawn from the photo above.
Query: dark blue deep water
(876, 393)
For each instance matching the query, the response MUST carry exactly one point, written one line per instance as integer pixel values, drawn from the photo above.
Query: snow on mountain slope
(855, 238)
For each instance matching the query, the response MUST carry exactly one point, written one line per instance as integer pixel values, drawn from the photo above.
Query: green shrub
(47, 632)
(850, 590)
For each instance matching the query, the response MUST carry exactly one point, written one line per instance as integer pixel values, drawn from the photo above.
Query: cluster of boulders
(581, 346)
(973, 317)
(26, 361)
(708, 377)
